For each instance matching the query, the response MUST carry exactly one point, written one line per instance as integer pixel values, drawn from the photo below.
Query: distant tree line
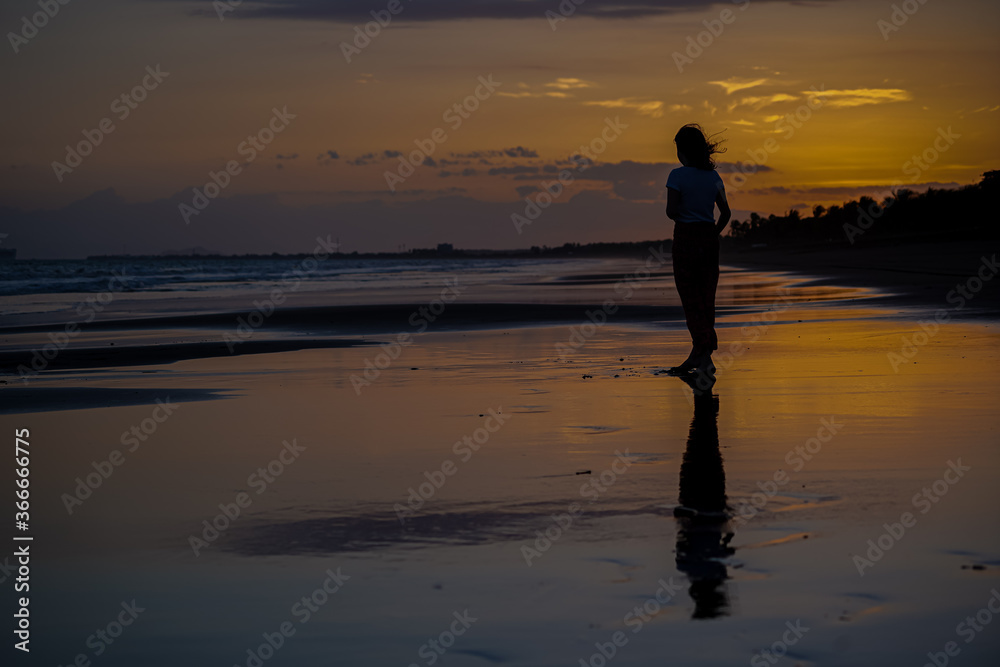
(903, 213)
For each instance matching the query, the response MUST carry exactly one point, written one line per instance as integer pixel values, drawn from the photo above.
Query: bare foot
(687, 365)
(705, 366)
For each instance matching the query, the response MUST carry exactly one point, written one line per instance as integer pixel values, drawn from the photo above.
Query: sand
(559, 525)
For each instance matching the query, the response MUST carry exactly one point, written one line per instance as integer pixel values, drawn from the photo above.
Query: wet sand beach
(518, 482)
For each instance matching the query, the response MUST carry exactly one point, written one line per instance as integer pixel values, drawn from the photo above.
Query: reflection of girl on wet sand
(704, 533)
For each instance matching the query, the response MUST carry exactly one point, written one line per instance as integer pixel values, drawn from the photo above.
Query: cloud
(515, 152)
(640, 181)
(562, 86)
(632, 191)
(734, 84)
(679, 107)
(293, 156)
(517, 169)
(843, 192)
(520, 151)
(569, 84)
(775, 189)
(404, 194)
(362, 160)
(523, 93)
(862, 96)
(391, 153)
(359, 11)
(653, 108)
(758, 102)
(327, 157)
(628, 170)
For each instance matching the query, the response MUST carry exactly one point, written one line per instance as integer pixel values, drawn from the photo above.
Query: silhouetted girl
(693, 191)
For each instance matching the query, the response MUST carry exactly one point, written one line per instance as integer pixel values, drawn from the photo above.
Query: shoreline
(921, 275)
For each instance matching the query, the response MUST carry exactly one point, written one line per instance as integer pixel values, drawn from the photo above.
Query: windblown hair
(698, 148)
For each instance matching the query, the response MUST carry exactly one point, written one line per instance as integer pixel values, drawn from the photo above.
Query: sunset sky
(889, 95)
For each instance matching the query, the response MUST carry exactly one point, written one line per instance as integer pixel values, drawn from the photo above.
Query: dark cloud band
(355, 11)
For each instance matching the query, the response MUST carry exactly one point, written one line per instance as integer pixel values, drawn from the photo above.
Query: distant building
(445, 248)
(7, 254)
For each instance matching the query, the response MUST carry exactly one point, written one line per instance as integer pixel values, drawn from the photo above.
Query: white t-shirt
(698, 188)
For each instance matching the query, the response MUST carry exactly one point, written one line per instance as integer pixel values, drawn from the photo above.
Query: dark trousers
(696, 272)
